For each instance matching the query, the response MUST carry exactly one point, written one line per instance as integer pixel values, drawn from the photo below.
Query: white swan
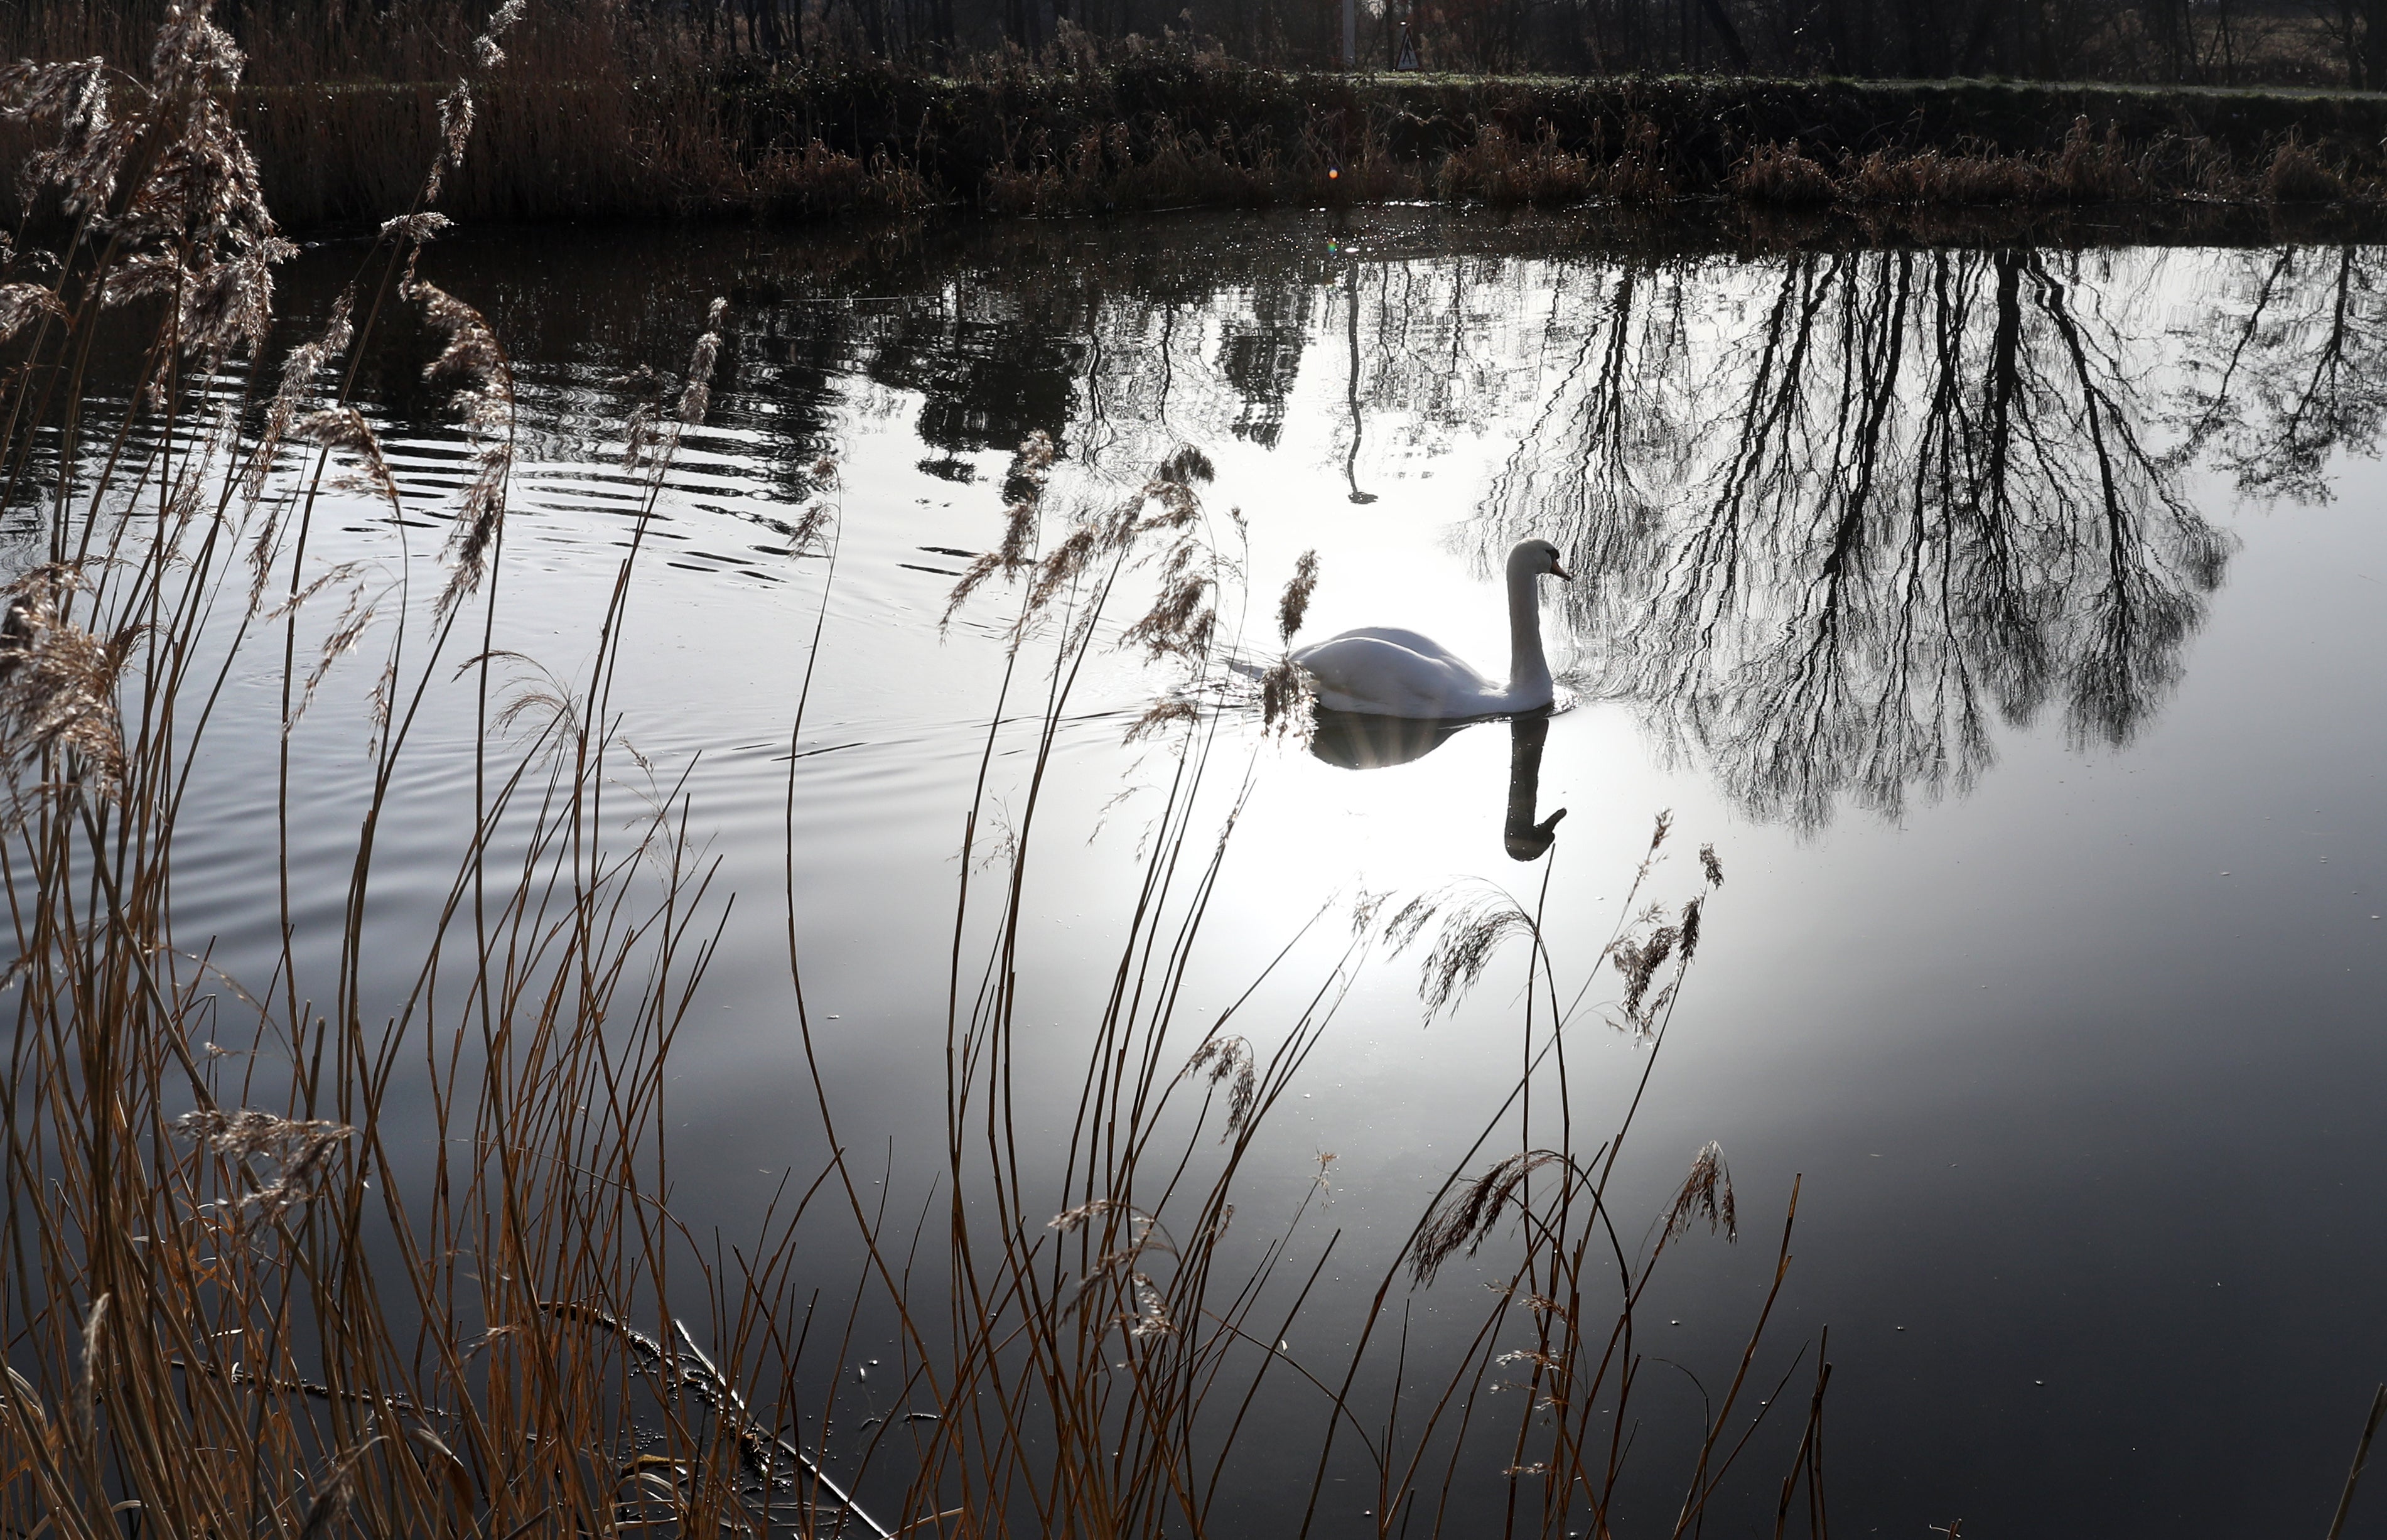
(1378, 671)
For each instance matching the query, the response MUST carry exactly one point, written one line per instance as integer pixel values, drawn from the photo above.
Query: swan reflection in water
(1358, 741)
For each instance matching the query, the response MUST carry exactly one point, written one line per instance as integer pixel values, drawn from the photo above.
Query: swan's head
(1535, 557)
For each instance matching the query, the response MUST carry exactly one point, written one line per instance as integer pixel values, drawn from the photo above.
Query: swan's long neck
(1529, 671)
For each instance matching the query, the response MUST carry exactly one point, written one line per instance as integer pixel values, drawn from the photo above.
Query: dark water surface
(2010, 620)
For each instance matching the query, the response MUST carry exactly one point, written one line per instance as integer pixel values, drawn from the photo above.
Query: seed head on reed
(1173, 502)
(1639, 962)
(1691, 912)
(72, 99)
(196, 229)
(473, 362)
(1468, 1218)
(1182, 621)
(1167, 712)
(695, 395)
(344, 429)
(534, 693)
(87, 1384)
(456, 114)
(58, 682)
(1706, 1192)
(1229, 1058)
(348, 630)
(1120, 1268)
(300, 370)
(301, 1150)
(485, 52)
(1140, 1224)
(297, 601)
(332, 1497)
(1185, 467)
(643, 437)
(483, 400)
(191, 54)
(1151, 1317)
(810, 531)
(1475, 920)
(1710, 865)
(420, 228)
(1062, 566)
(1293, 608)
(1030, 468)
(1288, 697)
(21, 302)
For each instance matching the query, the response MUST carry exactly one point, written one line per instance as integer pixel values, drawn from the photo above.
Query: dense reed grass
(297, 1255)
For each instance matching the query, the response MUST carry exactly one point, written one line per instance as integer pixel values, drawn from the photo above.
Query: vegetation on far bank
(2307, 43)
(1169, 126)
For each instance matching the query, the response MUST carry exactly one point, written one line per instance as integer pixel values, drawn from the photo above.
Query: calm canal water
(2010, 620)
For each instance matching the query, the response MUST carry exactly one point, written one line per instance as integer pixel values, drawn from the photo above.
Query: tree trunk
(1726, 33)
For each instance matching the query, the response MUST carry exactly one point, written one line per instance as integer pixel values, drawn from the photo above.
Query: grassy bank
(1175, 130)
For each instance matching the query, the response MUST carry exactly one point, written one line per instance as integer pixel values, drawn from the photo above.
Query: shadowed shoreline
(1173, 130)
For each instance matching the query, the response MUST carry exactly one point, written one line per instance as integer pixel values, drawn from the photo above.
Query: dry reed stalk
(2361, 1459)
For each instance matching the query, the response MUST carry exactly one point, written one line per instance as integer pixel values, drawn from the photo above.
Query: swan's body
(1381, 671)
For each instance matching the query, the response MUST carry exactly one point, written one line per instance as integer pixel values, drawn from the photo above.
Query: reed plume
(58, 691)
(1707, 1192)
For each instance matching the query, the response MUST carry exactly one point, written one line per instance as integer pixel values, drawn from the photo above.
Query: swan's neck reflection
(1368, 742)
(1526, 839)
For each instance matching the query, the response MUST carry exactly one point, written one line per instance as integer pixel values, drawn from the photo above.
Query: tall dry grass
(300, 1254)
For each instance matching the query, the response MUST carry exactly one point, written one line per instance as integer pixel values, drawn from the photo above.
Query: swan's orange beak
(1561, 572)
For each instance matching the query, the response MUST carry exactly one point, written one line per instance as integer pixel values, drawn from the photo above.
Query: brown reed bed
(241, 1290)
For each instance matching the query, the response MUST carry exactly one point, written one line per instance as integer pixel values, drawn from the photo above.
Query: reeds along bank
(645, 110)
(882, 141)
(243, 1291)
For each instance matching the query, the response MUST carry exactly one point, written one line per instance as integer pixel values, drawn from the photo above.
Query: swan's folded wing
(1415, 641)
(1368, 672)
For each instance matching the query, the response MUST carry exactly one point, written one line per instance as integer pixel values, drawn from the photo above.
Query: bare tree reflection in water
(1931, 503)
(2291, 366)
(1841, 513)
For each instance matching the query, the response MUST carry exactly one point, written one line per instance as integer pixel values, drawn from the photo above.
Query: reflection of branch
(1351, 461)
(2298, 377)
(1932, 494)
